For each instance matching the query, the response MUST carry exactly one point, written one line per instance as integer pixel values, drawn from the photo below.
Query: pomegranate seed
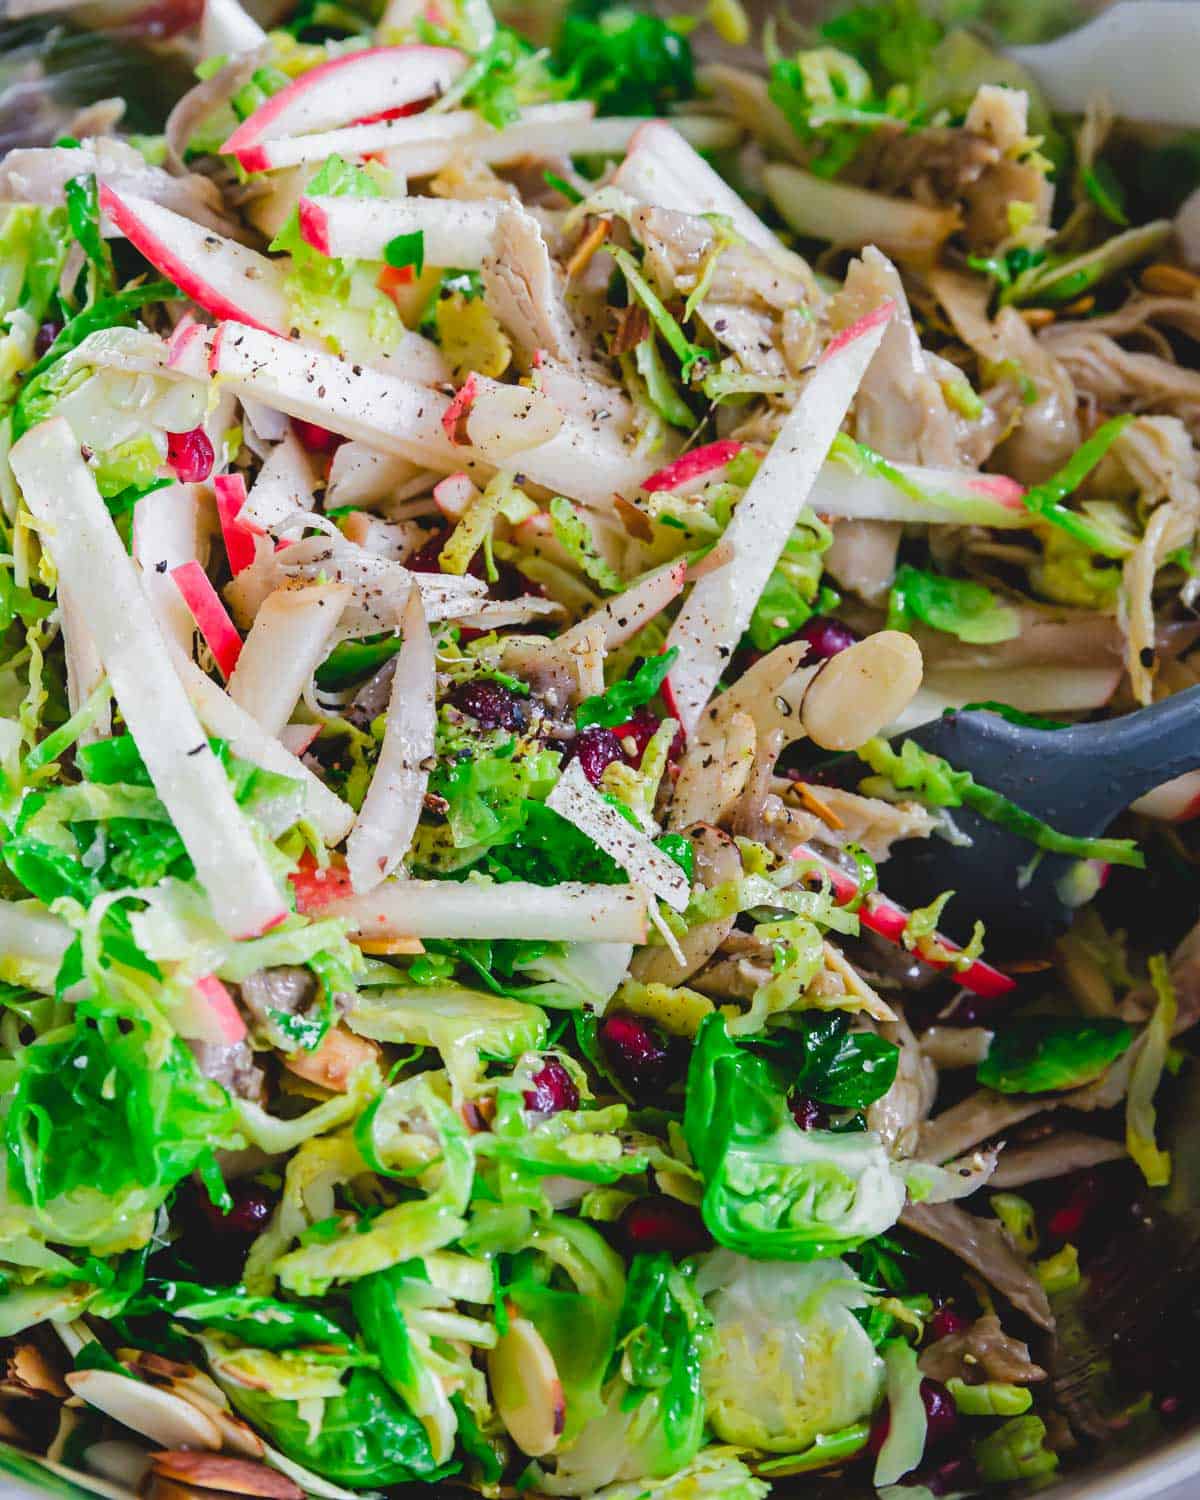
(190, 454)
(945, 1322)
(941, 1418)
(490, 704)
(315, 438)
(596, 747)
(1066, 1222)
(1169, 1405)
(807, 1113)
(662, 1223)
(826, 637)
(637, 1051)
(46, 335)
(553, 1089)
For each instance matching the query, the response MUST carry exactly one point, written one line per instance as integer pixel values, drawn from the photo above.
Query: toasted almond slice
(122, 1462)
(159, 1415)
(30, 1373)
(216, 1471)
(236, 1435)
(390, 946)
(526, 1388)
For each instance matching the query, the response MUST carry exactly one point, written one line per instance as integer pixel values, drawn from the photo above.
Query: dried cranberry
(941, 1414)
(945, 1322)
(490, 704)
(46, 335)
(190, 454)
(426, 558)
(252, 1207)
(638, 1052)
(315, 438)
(553, 1089)
(826, 637)
(941, 1418)
(662, 1223)
(596, 747)
(639, 731)
(807, 1113)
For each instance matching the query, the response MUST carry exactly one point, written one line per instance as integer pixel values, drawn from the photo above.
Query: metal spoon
(1075, 779)
(1142, 54)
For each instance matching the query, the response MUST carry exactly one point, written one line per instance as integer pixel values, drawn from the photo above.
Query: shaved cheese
(222, 717)
(189, 780)
(400, 416)
(291, 636)
(564, 913)
(574, 799)
(388, 819)
(718, 610)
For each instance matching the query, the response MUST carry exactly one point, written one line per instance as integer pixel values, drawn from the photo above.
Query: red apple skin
(164, 259)
(246, 141)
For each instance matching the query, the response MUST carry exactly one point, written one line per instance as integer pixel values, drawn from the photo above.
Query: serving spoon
(1077, 779)
(1143, 55)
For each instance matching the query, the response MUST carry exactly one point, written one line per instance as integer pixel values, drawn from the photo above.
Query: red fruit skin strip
(881, 915)
(239, 537)
(211, 617)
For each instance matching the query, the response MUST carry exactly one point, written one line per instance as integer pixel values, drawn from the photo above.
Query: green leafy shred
(618, 703)
(956, 606)
(629, 62)
(1038, 1054)
(939, 784)
(573, 534)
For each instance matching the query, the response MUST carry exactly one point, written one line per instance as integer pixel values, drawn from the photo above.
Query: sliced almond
(860, 690)
(236, 1476)
(526, 1388)
(160, 1415)
(334, 1063)
(122, 1462)
(236, 1435)
(1162, 280)
(30, 1373)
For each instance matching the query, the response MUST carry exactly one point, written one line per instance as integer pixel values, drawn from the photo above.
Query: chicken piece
(983, 1352)
(897, 1117)
(983, 1245)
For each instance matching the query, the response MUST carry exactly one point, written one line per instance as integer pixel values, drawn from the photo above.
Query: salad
(482, 513)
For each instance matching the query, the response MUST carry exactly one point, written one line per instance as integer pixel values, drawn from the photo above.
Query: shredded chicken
(983, 1245)
(525, 290)
(899, 1114)
(1067, 1151)
(983, 1352)
(41, 177)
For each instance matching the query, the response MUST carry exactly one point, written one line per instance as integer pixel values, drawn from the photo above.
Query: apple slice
(376, 80)
(662, 170)
(399, 416)
(292, 634)
(211, 617)
(237, 534)
(564, 913)
(881, 915)
(718, 610)
(166, 534)
(419, 145)
(456, 233)
(224, 277)
(191, 783)
(950, 497)
(691, 468)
